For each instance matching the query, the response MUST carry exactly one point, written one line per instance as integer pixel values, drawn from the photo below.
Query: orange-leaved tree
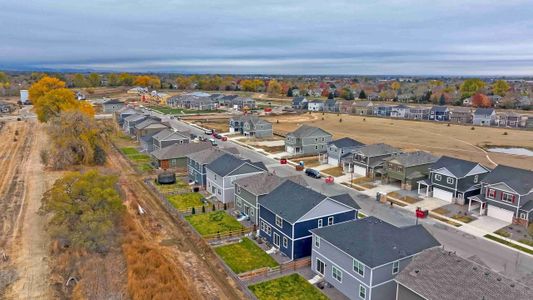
(43, 86)
(481, 100)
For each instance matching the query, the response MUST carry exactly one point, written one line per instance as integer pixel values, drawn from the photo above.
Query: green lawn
(524, 249)
(213, 222)
(129, 151)
(291, 287)
(179, 184)
(185, 201)
(245, 256)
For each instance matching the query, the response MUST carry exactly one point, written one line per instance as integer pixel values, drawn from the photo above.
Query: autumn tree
(126, 79)
(79, 80)
(274, 88)
(52, 103)
(147, 81)
(184, 83)
(395, 86)
(500, 87)
(481, 100)
(85, 210)
(471, 86)
(94, 80)
(113, 79)
(5, 84)
(43, 86)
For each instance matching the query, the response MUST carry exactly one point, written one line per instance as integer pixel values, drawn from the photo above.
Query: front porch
(425, 188)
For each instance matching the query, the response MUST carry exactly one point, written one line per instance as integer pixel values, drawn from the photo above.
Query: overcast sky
(412, 37)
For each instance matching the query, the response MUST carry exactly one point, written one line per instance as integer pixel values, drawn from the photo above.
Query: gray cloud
(417, 37)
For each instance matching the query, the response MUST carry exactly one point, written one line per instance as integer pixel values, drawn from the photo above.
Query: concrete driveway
(382, 188)
(428, 203)
(487, 224)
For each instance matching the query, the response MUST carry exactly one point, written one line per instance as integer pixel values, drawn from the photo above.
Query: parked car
(217, 136)
(312, 173)
(213, 142)
(209, 131)
(224, 138)
(283, 161)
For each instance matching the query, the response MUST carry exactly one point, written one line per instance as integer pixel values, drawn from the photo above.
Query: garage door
(290, 149)
(500, 213)
(442, 194)
(359, 170)
(333, 161)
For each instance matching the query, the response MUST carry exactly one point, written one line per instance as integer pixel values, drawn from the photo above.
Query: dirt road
(202, 273)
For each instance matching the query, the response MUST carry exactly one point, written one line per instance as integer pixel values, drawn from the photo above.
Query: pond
(512, 151)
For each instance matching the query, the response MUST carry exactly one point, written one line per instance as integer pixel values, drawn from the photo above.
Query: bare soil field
(437, 138)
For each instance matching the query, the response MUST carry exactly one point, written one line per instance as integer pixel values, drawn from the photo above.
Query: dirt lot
(455, 140)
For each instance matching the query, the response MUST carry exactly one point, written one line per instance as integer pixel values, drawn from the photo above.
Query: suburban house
(112, 105)
(249, 190)
(382, 110)
(439, 113)
(175, 156)
(331, 105)
(484, 116)
(290, 211)
(419, 113)
(307, 140)
(125, 112)
(506, 194)
(400, 111)
(227, 100)
(360, 258)
(367, 159)
(362, 108)
(511, 119)
(243, 103)
(299, 102)
(167, 137)
(149, 127)
(251, 126)
(453, 180)
(440, 274)
(315, 105)
(338, 149)
(461, 115)
(222, 173)
(131, 121)
(407, 168)
(197, 161)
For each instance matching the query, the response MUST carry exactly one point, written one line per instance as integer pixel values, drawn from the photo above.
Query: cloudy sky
(412, 37)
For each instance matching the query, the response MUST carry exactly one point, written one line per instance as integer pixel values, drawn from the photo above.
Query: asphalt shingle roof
(375, 242)
(458, 167)
(179, 150)
(306, 130)
(346, 199)
(291, 201)
(345, 142)
(264, 183)
(227, 163)
(169, 134)
(206, 156)
(484, 111)
(376, 150)
(439, 274)
(410, 159)
(519, 180)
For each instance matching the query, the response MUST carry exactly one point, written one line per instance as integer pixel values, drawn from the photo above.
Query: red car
(283, 161)
(224, 138)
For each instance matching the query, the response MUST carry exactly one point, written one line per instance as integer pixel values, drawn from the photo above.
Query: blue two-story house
(439, 113)
(360, 258)
(290, 211)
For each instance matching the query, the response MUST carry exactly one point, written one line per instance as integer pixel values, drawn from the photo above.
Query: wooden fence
(269, 272)
(227, 234)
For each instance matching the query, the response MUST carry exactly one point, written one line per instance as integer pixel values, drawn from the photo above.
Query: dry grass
(463, 218)
(273, 149)
(455, 140)
(335, 171)
(441, 211)
(408, 199)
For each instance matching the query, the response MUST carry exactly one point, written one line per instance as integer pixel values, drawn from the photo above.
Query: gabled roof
(410, 159)
(228, 163)
(345, 142)
(169, 134)
(458, 167)
(376, 150)
(375, 242)
(291, 201)
(209, 155)
(439, 108)
(298, 99)
(362, 104)
(440, 274)
(484, 111)
(520, 180)
(179, 150)
(135, 117)
(148, 122)
(113, 101)
(346, 199)
(306, 130)
(264, 183)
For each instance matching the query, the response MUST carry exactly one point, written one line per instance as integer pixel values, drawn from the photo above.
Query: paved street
(502, 259)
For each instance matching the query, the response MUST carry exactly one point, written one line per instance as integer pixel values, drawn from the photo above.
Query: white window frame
(316, 267)
(336, 273)
(476, 178)
(239, 203)
(450, 180)
(362, 289)
(320, 223)
(285, 242)
(238, 189)
(489, 194)
(317, 241)
(438, 177)
(358, 267)
(274, 239)
(505, 195)
(279, 221)
(331, 220)
(395, 267)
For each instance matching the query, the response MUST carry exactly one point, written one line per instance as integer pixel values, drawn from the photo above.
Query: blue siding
(195, 172)
(270, 217)
(302, 229)
(302, 247)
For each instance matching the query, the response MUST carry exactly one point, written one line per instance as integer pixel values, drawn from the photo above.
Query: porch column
(418, 189)
(469, 205)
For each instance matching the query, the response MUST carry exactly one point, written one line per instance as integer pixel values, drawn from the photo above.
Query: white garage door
(290, 149)
(359, 170)
(442, 194)
(500, 213)
(333, 161)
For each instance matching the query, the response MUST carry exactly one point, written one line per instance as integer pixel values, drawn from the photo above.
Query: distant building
(24, 97)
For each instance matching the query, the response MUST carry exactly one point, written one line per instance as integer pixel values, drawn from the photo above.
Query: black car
(312, 173)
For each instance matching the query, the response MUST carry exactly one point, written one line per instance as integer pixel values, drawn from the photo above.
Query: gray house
(251, 126)
(338, 149)
(484, 117)
(197, 161)
(361, 258)
(112, 105)
(175, 155)
(249, 190)
(125, 112)
(453, 180)
(368, 159)
(167, 137)
(307, 140)
(299, 102)
(407, 168)
(443, 275)
(222, 173)
(131, 121)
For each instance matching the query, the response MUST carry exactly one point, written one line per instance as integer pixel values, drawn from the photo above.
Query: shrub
(214, 207)
(505, 133)
(44, 157)
(203, 209)
(193, 211)
(472, 128)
